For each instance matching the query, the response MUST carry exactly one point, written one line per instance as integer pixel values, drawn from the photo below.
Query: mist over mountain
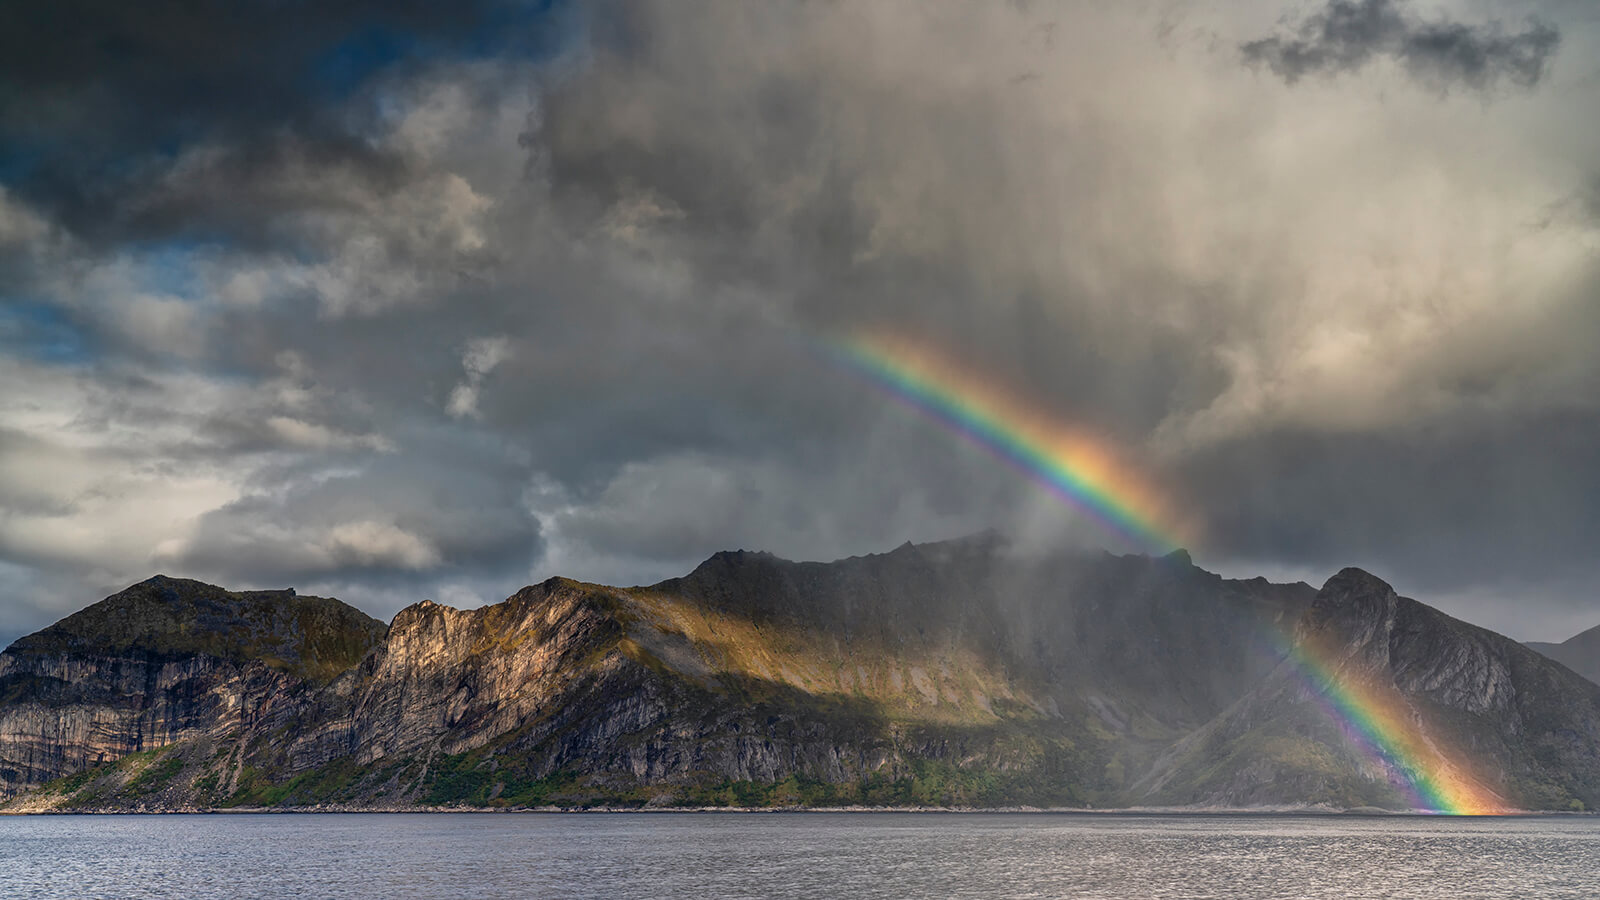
(1580, 653)
(961, 673)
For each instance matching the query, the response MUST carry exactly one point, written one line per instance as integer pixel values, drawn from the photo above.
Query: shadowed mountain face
(953, 674)
(1146, 639)
(1580, 653)
(1384, 699)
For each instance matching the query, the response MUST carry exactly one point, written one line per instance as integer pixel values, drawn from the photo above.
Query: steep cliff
(161, 662)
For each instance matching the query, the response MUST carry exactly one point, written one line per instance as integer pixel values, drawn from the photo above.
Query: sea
(797, 854)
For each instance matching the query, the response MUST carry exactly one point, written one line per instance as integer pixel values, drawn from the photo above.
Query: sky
(394, 300)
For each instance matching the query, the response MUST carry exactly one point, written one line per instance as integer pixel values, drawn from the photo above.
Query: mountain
(161, 662)
(946, 673)
(1383, 699)
(1580, 653)
(958, 673)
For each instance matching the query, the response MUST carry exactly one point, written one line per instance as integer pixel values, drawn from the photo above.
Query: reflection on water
(797, 855)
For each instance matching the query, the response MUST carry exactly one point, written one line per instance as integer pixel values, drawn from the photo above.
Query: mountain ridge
(952, 674)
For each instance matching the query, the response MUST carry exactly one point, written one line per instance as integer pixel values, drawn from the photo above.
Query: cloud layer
(1348, 34)
(386, 306)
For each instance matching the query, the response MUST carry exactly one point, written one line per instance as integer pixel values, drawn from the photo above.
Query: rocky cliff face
(952, 674)
(161, 662)
(646, 695)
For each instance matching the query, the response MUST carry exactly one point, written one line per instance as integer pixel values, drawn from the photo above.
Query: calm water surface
(796, 855)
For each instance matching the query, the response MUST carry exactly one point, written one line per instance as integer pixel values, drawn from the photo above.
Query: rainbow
(1090, 474)
(1378, 720)
(1086, 472)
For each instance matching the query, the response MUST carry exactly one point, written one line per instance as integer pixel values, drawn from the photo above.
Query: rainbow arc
(1378, 719)
(1088, 472)
(1093, 476)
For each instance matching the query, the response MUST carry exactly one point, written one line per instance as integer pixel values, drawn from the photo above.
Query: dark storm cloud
(1492, 520)
(97, 98)
(1347, 34)
(770, 173)
(270, 184)
(1449, 505)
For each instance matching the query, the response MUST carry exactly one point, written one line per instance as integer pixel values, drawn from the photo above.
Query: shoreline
(1131, 812)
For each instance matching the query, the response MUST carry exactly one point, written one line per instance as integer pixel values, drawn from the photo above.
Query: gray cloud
(518, 316)
(97, 97)
(386, 521)
(1348, 34)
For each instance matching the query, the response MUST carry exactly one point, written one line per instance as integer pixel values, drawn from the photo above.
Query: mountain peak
(1352, 582)
(740, 555)
(184, 589)
(1580, 653)
(1355, 610)
(178, 617)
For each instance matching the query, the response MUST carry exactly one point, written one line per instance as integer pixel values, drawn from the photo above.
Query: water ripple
(824, 855)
